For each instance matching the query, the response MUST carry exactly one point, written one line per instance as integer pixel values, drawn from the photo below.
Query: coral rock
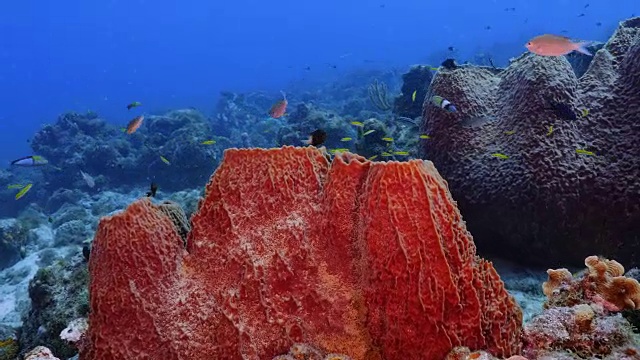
(370, 260)
(546, 203)
(603, 284)
(562, 330)
(40, 353)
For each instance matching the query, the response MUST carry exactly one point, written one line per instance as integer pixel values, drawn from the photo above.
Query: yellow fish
(333, 151)
(357, 123)
(425, 136)
(510, 132)
(585, 152)
(388, 139)
(372, 157)
(15, 186)
(386, 154)
(346, 139)
(368, 132)
(164, 160)
(208, 142)
(401, 153)
(23, 191)
(584, 112)
(499, 156)
(433, 68)
(413, 96)
(550, 130)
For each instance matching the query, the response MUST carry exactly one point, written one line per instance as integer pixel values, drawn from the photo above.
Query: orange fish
(278, 109)
(134, 124)
(554, 45)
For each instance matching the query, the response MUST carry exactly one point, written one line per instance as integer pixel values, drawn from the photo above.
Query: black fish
(451, 48)
(86, 252)
(449, 64)
(561, 110)
(152, 190)
(317, 137)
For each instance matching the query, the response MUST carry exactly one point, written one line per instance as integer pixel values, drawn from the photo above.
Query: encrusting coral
(582, 315)
(366, 259)
(603, 283)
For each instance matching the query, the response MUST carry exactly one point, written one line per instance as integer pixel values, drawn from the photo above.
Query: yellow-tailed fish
(401, 153)
(432, 68)
(386, 154)
(357, 123)
(208, 142)
(371, 158)
(550, 130)
(413, 96)
(388, 139)
(23, 191)
(333, 151)
(584, 112)
(346, 139)
(368, 132)
(510, 132)
(15, 186)
(425, 136)
(164, 160)
(499, 156)
(585, 152)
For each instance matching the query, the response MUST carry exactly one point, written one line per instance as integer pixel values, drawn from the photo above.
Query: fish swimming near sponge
(443, 103)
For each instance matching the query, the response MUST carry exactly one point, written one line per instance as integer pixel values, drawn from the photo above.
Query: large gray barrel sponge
(546, 204)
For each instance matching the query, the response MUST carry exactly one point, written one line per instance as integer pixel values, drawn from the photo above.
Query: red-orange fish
(278, 109)
(134, 124)
(554, 45)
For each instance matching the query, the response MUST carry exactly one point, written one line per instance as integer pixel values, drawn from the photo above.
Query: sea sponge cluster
(367, 259)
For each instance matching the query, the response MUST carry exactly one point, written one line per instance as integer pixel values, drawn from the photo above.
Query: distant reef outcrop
(545, 166)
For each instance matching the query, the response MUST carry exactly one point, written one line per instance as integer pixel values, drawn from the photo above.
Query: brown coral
(546, 203)
(607, 280)
(557, 278)
(602, 284)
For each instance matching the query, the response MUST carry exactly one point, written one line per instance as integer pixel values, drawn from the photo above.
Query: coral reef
(8, 343)
(13, 237)
(580, 62)
(417, 79)
(59, 294)
(602, 283)
(40, 353)
(378, 95)
(78, 142)
(546, 203)
(359, 258)
(581, 315)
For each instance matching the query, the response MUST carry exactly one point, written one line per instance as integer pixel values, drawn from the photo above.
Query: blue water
(57, 56)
